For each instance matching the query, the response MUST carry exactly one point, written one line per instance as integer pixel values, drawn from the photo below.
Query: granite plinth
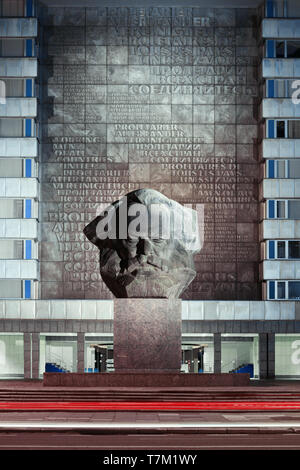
(147, 335)
(115, 379)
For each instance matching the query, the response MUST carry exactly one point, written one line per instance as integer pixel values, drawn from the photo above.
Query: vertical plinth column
(271, 355)
(217, 353)
(147, 335)
(80, 352)
(263, 355)
(266, 355)
(35, 355)
(27, 356)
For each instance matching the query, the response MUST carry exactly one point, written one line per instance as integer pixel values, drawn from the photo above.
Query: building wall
(280, 151)
(162, 98)
(19, 186)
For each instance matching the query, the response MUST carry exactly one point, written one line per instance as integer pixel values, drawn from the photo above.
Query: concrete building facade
(199, 101)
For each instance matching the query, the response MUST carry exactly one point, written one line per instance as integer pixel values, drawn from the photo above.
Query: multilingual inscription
(164, 98)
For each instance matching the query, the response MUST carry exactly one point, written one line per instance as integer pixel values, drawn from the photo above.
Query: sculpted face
(146, 260)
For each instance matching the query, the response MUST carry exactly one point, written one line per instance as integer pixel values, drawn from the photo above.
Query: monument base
(147, 335)
(146, 379)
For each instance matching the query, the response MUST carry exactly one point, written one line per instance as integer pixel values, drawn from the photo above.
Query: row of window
(18, 208)
(281, 88)
(283, 168)
(283, 129)
(17, 249)
(282, 9)
(15, 127)
(16, 289)
(18, 168)
(17, 8)
(17, 88)
(283, 249)
(18, 48)
(283, 290)
(282, 49)
(283, 209)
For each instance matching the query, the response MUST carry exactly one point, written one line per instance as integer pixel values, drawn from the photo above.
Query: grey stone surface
(217, 353)
(131, 103)
(80, 352)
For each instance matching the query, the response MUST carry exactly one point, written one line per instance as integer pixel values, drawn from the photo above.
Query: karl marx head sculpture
(146, 244)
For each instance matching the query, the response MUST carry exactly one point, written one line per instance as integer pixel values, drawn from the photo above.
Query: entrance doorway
(197, 358)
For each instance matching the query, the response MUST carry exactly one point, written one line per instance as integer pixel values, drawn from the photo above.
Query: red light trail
(156, 406)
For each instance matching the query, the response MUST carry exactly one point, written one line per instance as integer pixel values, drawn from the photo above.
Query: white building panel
(18, 27)
(18, 147)
(280, 229)
(281, 269)
(18, 67)
(280, 28)
(27, 308)
(228, 310)
(19, 228)
(19, 187)
(280, 108)
(19, 269)
(281, 68)
(272, 311)
(19, 107)
(281, 148)
(281, 188)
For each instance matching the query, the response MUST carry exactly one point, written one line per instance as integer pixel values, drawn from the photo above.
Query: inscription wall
(162, 98)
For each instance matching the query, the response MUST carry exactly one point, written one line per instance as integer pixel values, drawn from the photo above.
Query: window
(293, 49)
(294, 209)
(293, 169)
(282, 8)
(239, 353)
(280, 290)
(294, 129)
(11, 167)
(283, 129)
(281, 88)
(11, 249)
(294, 249)
(283, 169)
(283, 290)
(10, 289)
(275, 8)
(11, 209)
(11, 48)
(282, 49)
(12, 8)
(292, 9)
(280, 129)
(284, 249)
(283, 209)
(11, 127)
(294, 290)
(280, 249)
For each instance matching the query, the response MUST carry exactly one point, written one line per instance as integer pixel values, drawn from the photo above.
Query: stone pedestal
(147, 335)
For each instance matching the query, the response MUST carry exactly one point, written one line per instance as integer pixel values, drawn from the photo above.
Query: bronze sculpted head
(146, 244)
